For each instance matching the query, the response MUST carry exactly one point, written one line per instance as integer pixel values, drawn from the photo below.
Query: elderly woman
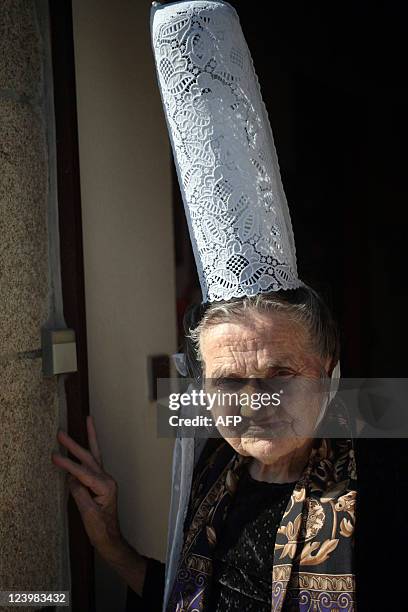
(262, 518)
(271, 511)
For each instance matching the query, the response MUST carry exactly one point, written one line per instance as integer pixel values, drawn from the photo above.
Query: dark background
(334, 79)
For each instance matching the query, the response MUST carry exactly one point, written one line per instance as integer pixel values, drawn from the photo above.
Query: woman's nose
(251, 386)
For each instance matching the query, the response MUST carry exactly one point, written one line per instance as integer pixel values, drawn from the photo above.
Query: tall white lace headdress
(224, 152)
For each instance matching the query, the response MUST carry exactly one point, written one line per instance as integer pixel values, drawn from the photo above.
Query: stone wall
(31, 491)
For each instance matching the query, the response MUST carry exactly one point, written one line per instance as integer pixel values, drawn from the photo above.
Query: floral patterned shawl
(313, 553)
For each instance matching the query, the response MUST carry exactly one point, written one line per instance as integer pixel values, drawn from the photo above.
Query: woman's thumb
(80, 493)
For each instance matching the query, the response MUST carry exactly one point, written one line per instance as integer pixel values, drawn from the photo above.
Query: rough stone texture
(32, 541)
(20, 48)
(23, 228)
(29, 515)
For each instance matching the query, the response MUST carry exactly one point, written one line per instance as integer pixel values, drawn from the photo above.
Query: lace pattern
(224, 151)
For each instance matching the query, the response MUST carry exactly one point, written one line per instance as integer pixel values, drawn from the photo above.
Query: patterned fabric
(313, 552)
(224, 152)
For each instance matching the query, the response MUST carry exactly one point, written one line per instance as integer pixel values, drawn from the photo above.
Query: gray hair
(303, 305)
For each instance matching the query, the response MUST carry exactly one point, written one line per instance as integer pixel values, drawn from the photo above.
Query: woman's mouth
(266, 426)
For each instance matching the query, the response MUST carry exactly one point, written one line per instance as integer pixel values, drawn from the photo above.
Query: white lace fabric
(224, 152)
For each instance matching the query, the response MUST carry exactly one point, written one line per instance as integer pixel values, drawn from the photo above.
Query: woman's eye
(230, 383)
(284, 373)
(279, 377)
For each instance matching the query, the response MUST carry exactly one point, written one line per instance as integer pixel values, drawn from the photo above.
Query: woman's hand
(95, 492)
(96, 495)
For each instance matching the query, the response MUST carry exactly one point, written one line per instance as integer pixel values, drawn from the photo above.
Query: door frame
(72, 278)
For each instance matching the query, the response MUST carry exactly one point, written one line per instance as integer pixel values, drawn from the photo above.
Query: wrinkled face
(266, 354)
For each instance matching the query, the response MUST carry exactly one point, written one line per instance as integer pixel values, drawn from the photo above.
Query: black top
(243, 559)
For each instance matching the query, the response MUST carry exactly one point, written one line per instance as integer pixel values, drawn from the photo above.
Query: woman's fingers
(93, 440)
(78, 451)
(82, 473)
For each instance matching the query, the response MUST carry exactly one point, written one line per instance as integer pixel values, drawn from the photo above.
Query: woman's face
(266, 354)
